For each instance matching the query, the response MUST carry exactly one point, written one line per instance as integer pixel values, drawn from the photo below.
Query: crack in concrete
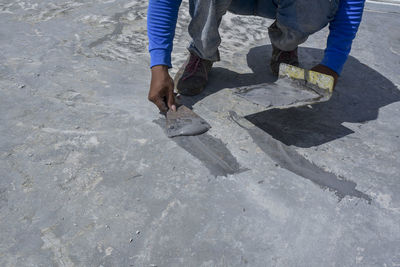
(117, 29)
(59, 250)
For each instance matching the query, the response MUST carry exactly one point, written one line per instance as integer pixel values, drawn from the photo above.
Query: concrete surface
(89, 178)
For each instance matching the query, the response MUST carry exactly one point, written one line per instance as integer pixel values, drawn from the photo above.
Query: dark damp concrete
(209, 150)
(87, 178)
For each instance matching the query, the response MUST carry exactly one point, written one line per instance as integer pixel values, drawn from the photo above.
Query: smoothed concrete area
(88, 176)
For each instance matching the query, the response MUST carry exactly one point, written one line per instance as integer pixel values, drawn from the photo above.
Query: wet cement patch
(184, 122)
(283, 93)
(289, 159)
(210, 151)
(187, 127)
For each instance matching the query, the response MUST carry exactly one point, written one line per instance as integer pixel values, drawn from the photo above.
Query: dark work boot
(279, 56)
(192, 77)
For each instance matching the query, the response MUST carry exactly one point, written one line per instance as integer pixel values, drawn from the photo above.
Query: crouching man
(295, 20)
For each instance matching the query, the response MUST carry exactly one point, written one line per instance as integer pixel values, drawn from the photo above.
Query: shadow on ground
(357, 98)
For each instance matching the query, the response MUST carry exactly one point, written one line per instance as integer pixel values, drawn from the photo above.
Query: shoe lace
(192, 66)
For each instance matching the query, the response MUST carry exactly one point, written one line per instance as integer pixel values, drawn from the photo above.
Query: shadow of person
(359, 94)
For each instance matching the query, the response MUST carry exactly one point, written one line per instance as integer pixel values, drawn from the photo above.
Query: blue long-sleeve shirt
(163, 14)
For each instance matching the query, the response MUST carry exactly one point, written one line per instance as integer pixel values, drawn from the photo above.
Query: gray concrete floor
(88, 177)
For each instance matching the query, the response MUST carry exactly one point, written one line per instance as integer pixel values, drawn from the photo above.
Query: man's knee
(306, 18)
(285, 38)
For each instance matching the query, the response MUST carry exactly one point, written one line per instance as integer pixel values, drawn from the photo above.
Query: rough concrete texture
(88, 179)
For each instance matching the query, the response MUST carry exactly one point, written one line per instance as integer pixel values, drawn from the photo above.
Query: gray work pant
(295, 21)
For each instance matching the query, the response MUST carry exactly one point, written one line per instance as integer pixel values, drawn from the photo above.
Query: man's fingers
(326, 70)
(159, 102)
(171, 100)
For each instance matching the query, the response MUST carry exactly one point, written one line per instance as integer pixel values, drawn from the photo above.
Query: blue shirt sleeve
(343, 30)
(161, 23)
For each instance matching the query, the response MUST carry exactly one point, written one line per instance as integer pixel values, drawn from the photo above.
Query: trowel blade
(295, 87)
(184, 121)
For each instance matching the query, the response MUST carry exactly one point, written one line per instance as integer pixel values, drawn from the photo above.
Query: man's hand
(162, 89)
(325, 70)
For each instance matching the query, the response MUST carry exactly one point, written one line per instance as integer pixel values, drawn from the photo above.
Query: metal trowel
(184, 122)
(295, 87)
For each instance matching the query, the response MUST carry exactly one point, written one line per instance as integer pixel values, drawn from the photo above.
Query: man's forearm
(343, 30)
(161, 22)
